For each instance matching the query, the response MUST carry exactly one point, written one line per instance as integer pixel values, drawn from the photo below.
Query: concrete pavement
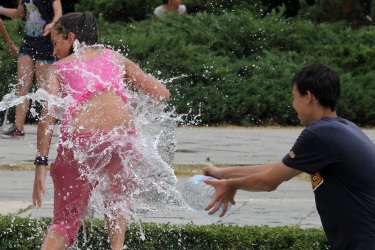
(292, 204)
(195, 145)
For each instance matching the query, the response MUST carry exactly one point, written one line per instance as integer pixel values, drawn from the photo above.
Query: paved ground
(292, 204)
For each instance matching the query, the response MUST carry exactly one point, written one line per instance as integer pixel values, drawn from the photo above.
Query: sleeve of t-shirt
(309, 154)
(159, 11)
(182, 9)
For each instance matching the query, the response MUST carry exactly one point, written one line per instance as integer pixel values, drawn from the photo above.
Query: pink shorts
(91, 163)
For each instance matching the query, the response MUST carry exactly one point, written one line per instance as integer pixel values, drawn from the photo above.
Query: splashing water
(198, 195)
(141, 180)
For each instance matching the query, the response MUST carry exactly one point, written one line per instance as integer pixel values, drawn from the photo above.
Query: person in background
(96, 152)
(35, 54)
(14, 51)
(170, 6)
(339, 157)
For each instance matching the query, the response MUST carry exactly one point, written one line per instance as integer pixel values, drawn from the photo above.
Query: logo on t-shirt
(292, 154)
(34, 21)
(316, 180)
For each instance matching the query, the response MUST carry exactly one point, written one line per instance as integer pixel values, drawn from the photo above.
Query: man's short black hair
(322, 81)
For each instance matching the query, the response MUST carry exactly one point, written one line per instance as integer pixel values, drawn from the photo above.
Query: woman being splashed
(97, 146)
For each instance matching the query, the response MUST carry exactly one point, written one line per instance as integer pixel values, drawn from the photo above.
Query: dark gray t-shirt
(341, 161)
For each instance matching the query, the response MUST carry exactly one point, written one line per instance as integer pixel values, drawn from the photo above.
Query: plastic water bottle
(198, 195)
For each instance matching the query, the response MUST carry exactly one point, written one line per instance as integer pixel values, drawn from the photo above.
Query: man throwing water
(339, 157)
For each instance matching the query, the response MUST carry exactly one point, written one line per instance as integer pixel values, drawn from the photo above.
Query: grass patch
(180, 170)
(22, 210)
(184, 170)
(17, 167)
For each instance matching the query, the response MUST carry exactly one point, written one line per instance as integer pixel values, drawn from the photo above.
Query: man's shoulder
(333, 130)
(327, 123)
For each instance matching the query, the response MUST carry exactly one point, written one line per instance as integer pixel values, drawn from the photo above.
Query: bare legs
(116, 228)
(116, 231)
(26, 69)
(54, 240)
(25, 76)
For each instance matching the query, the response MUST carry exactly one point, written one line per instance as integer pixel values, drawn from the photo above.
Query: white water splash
(145, 176)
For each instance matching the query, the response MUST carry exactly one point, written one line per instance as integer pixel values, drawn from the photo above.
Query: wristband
(41, 160)
(1, 10)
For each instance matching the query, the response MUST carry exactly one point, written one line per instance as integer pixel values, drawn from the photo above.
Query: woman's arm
(48, 115)
(146, 83)
(44, 134)
(4, 33)
(57, 10)
(142, 81)
(14, 13)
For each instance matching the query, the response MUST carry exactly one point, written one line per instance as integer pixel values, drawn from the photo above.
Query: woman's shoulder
(67, 60)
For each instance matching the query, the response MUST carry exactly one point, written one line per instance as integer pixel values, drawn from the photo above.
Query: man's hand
(39, 188)
(224, 194)
(212, 171)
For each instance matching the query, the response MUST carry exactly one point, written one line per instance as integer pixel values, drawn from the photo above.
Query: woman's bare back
(103, 111)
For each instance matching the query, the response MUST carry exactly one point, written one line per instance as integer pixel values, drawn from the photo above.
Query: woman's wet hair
(82, 24)
(165, 1)
(322, 81)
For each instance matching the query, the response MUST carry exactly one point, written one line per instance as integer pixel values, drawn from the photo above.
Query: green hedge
(355, 13)
(236, 68)
(23, 233)
(135, 10)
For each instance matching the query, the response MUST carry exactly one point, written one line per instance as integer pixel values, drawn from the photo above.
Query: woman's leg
(115, 202)
(54, 240)
(116, 228)
(111, 183)
(40, 73)
(25, 76)
(71, 194)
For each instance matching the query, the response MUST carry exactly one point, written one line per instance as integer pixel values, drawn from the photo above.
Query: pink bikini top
(83, 79)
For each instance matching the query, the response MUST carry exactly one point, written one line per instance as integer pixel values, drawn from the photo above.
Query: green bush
(134, 10)
(236, 67)
(8, 65)
(119, 10)
(355, 13)
(23, 234)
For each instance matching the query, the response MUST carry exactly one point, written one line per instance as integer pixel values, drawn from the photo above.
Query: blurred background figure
(170, 6)
(14, 51)
(12, 47)
(35, 53)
